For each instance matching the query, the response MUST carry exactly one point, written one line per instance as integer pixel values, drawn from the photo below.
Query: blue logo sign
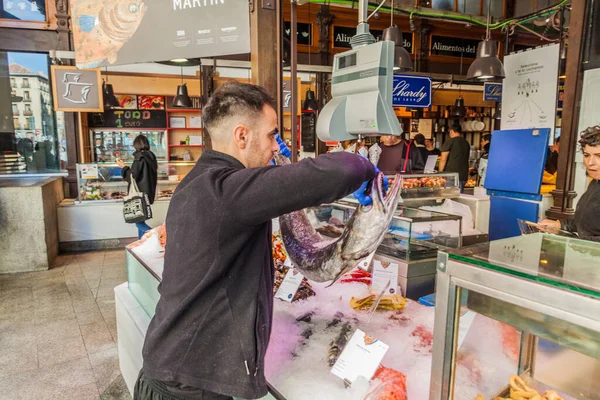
(492, 91)
(411, 91)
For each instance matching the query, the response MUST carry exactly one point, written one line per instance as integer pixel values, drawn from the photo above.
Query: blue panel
(515, 195)
(517, 159)
(504, 212)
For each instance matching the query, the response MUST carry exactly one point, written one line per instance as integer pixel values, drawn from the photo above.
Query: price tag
(384, 272)
(466, 320)
(364, 264)
(289, 286)
(89, 171)
(361, 357)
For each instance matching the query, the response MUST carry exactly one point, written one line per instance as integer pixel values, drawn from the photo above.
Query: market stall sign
(342, 36)
(411, 91)
(118, 32)
(128, 119)
(453, 47)
(304, 32)
(522, 47)
(75, 89)
(492, 91)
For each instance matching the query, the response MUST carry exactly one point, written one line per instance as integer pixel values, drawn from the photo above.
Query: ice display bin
(540, 294)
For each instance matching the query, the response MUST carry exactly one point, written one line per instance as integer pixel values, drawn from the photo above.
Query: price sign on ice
(361, 357)
(364, 264)
(89, 171)
(384, 272)
(290, 285)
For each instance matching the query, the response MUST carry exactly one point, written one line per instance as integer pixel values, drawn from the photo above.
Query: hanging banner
(76, 90)
(492, 91)
(411, 91)
(117, 32)
(342, 36)
(453, 47)
(530, 89)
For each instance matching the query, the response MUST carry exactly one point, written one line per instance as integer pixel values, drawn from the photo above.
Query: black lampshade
(310, 102)
(182, 99)
(459, 108)
(498, 112)
(402, 61)
(487, 66)
(108, 96)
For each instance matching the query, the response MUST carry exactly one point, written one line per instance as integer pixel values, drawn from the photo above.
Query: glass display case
(110, 144)
(443, 185)
(102, 182)
(413, 235)
(538, 293)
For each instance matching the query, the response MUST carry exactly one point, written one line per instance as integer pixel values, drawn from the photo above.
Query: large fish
(323, 260)
(102, 27)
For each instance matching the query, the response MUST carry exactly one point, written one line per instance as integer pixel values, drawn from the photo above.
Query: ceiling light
(486, 66)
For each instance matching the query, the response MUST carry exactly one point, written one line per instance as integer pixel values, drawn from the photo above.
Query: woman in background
(587, 214)
(145, 172)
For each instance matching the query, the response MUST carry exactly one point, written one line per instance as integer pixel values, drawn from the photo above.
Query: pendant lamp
(402, 61)
(310, 101)
(487, 66)
(182, 99)
(459, 106)
(108, 94)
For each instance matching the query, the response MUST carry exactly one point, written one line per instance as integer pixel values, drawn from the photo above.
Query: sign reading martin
(453, 47)
(411, 91)
(76, 89)
(342, 36)
(117, 32)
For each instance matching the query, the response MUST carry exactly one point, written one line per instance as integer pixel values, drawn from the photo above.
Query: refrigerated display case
(540, 294)
(109, 144)
(105, 183)
(426, 187)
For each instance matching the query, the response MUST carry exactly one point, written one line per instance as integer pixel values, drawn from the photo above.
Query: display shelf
(185, 145)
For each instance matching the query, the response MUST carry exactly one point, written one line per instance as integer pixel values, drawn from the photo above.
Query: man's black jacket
(145, 171)
(213, 319)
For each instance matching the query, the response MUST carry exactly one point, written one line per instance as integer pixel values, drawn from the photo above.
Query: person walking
(144, 170)
(455, 155)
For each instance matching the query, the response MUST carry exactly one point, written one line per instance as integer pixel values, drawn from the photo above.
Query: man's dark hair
(141, 143)
(419, 138)
(457, 128)
(487, 137)
(557, 140)
(234, 99)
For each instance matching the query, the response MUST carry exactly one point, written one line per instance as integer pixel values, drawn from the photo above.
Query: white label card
(288, 262)
(361, 357)
(466, 320)
(364, 264)
(89, 171)
(289, 286)
(384, 272)
(430, 164)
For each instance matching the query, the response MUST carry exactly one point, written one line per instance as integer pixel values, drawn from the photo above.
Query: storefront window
(32, 135)
(25, 10)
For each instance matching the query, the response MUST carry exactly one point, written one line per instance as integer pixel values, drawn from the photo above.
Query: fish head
(384, 201)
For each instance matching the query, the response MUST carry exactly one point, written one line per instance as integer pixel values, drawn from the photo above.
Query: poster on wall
(530, 88)
(126, 101)
(117, 32)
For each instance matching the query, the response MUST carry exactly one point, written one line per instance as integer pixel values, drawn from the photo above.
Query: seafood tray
(534, 385)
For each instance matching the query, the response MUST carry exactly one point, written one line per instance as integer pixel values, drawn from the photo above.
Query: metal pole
(294, 80)
(363, 11)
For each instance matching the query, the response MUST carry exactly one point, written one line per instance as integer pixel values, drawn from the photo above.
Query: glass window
(496, 10)
(469, 7)
(25, 10)
(13, 83)
(447, 5)
(539, 4)
(523, 7)
(36, 135)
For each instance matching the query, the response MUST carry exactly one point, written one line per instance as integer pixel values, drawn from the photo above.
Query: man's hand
(120, 163)
(361, 195)
(283, 149)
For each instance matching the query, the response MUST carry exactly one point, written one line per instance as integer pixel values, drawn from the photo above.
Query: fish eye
(133, 7)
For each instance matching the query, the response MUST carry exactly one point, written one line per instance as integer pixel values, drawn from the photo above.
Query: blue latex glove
(283, 149)
(361, 195)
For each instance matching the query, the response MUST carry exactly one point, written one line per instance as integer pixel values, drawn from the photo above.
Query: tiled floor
(58, 330)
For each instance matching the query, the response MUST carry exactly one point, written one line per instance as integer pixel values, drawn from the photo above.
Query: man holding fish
(212, 324)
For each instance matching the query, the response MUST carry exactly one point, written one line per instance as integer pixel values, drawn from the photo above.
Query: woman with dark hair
(145, 172)
(587, 221)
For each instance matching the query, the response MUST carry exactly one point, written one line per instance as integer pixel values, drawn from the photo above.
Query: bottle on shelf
(187, 140)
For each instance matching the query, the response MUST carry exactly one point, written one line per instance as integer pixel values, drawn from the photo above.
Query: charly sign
(411, 91)
(117, 32)
(492, 91)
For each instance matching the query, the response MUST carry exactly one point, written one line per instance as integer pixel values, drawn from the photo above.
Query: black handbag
(136, 205)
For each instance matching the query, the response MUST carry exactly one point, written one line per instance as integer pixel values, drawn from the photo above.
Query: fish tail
(87, 23)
